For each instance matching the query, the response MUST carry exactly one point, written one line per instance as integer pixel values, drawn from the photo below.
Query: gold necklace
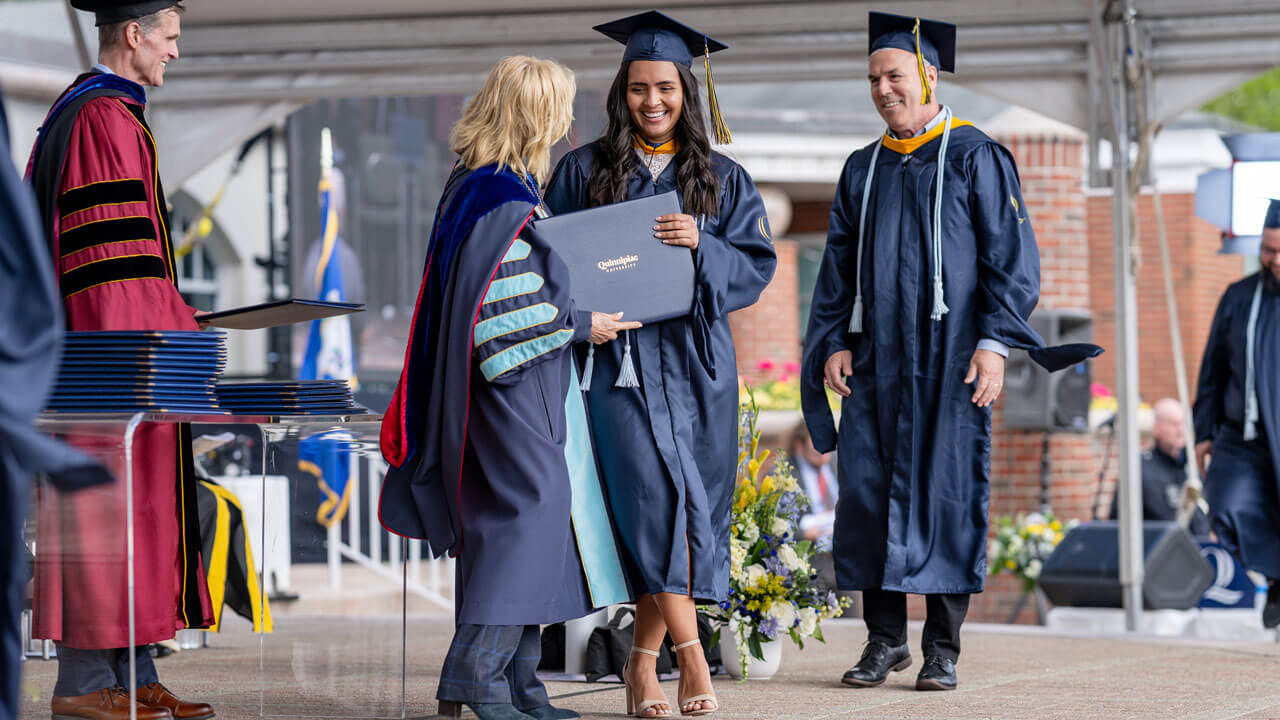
(537, 194)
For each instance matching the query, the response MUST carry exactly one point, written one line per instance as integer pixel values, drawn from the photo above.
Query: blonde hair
(525, 107)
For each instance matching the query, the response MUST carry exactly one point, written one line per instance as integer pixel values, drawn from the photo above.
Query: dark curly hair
(616, 161)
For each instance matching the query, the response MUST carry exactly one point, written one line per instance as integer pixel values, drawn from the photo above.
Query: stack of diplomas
(178, 372)
(139, 371)
(289, 397)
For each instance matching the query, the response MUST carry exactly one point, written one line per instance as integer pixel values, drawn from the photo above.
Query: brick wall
(770, 329)
(1199, 277)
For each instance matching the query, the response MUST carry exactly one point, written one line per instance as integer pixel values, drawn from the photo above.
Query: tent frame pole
(1120, 29)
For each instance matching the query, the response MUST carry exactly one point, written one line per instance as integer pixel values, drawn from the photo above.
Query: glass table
(334, 591)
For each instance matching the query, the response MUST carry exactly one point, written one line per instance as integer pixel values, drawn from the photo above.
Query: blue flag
(329, 356)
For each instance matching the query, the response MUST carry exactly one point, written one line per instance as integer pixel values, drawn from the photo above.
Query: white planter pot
(756, 669)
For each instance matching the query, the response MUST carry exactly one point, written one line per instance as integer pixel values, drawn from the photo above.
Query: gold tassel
(718, 126)
(924, 79)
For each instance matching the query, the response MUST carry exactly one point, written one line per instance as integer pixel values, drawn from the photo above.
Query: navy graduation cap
(654, 35)
(1273, 215)
(931, 41)
(107, 12)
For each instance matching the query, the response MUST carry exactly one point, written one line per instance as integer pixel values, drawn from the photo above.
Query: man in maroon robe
(94, 171)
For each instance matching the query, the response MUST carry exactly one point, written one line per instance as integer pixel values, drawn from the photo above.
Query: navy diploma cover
(617, 265)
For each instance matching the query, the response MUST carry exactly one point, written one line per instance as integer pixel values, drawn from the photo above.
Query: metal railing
(404, 564)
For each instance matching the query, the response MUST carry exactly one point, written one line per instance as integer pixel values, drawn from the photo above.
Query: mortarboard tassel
(627, 375)
(939, 305)
(926, 96)
(718, 125)
(588, 370)
(855, 319)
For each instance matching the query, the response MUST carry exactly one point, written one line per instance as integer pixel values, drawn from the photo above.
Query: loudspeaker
(1034, 398)
(1084, 570)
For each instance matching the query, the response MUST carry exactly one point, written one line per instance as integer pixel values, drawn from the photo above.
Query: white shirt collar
(933, 123)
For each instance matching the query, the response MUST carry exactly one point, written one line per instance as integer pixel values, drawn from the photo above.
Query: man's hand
(1204, 449)
(987, 368)
(204, 324)
(605, 327)
(839, 366)
(677, 229)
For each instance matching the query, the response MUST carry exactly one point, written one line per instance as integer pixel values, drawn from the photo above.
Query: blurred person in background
(1164, 469)
(1237, 418)
(817, 477)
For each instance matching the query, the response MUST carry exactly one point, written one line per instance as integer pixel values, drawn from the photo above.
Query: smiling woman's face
(655, 97)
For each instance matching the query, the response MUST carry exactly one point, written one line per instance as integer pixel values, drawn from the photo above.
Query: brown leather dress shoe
(105, 704)
(158, 696)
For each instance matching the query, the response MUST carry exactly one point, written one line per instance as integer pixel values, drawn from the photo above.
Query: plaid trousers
(493, 664)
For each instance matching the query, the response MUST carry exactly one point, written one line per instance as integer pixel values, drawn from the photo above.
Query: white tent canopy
(247, 63)
(1034, 53)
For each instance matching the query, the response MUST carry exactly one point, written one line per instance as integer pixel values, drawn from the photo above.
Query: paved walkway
(350, 667)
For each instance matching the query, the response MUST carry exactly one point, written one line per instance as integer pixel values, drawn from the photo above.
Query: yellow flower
(766, 485)
(1011, 564)
(1055, 525)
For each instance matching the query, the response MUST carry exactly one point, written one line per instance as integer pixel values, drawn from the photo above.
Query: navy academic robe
(487, 432)
(914, 451)
(668, 448)
(1242, 485)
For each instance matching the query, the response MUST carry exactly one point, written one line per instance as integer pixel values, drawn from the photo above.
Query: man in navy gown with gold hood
(929, 275)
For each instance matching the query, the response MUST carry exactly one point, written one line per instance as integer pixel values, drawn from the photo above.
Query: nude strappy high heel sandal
(705, 697)
(637, 708)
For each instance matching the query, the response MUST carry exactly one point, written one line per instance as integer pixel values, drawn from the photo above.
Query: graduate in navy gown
(664, 400)
(486, 434)
(929, 275)
(1237, 418)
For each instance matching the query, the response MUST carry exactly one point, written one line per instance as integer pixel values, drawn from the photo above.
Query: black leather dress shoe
(878, 660)
(938, 673)
(1271, 611)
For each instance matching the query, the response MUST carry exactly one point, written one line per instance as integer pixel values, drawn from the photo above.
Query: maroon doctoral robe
(94, 171)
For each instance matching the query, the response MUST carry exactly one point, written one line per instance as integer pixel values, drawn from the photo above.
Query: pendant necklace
(532, 187)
